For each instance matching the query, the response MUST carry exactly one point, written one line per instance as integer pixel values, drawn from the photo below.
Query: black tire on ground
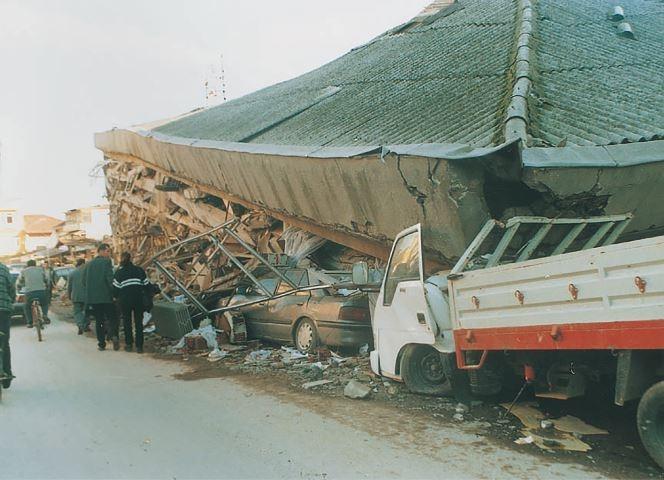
(305, 336)
(650, 422)
(423, 371)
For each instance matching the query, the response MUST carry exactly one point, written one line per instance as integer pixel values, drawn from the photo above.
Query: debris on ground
(216, 355)
(207, 334)
(317, 383)
(577, 426)
(461, 408)
(357, 390)
(291, 369)
(524, 440)
(552, 434)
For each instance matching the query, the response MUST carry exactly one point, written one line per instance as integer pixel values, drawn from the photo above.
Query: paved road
(78, 413)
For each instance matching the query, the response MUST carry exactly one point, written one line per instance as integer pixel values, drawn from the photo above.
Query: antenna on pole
(222, 78)
(215, 84)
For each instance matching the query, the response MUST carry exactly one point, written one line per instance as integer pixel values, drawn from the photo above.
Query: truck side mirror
(360, 273)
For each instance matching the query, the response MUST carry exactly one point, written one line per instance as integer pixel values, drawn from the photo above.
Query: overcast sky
(72, 68)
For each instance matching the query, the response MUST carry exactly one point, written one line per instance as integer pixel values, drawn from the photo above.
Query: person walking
(7, 297)
(33, 280)
(76, 294)
(130, 284)
(98, 287)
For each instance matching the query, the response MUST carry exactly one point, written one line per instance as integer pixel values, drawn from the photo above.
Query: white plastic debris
(319, 365)
(364, 350)
(205, 322)
(336, 359)
(216, 355)
(208, 333)
(147, 316)
(293, 354)
(258, 356)
(524, 440)
(461, 408)
(546, 424)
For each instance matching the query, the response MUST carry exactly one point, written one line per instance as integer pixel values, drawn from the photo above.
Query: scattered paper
(572, 424)
(563, 441)
(561, 437)
(527, 413)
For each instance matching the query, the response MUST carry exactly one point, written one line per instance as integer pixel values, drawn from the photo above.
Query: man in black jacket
(98, 286)
(130, 285)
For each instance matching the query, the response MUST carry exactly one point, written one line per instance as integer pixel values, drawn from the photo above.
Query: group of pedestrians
(93, 286)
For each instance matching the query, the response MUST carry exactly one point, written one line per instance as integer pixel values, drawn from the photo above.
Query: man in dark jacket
(76, 294)
(130, 284)
(7, 296)
(98, 286)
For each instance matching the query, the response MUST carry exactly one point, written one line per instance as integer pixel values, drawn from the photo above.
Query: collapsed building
(469, 111)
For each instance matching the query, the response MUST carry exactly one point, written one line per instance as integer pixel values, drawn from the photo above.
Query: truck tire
(650, 422)
(423, 371)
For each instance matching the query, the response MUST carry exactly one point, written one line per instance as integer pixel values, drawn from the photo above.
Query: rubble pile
(151, 212)
(325, 370)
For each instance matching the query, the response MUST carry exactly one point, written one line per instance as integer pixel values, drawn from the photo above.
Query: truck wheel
(423, 371)
(650, 422)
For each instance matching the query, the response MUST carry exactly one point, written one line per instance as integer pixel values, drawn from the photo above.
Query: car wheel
(650, 421)
(423, 371)
(306, 336)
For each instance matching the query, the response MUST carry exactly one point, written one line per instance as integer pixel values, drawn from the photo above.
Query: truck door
(401, 314)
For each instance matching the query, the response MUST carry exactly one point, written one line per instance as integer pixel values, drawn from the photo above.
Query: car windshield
(299, 278)
(270, 284)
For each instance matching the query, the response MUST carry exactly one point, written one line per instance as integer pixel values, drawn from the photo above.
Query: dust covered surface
(392, 412)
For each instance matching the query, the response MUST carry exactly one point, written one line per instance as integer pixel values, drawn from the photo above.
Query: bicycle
(37, 318)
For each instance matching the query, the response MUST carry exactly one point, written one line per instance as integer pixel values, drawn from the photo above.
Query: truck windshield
(404, 265)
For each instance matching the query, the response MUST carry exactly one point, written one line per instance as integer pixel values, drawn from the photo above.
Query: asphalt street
(74, 412)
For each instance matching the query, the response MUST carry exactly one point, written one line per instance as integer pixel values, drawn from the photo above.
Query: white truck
(563, 322)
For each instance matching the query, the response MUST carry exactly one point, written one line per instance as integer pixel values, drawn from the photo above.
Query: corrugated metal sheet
(446, 78)
(594, 87)
(437, 83)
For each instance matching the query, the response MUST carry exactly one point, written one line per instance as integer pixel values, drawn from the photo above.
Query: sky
(71, 68)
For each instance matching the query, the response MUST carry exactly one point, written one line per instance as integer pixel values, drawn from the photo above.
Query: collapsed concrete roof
(543, 97)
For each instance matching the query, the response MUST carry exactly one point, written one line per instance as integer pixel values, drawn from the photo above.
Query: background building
(11, 225)
(86, 223)
(39, 232)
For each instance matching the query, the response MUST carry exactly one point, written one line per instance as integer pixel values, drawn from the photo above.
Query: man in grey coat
(33, 280)
(76, 294)
(98, 286)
